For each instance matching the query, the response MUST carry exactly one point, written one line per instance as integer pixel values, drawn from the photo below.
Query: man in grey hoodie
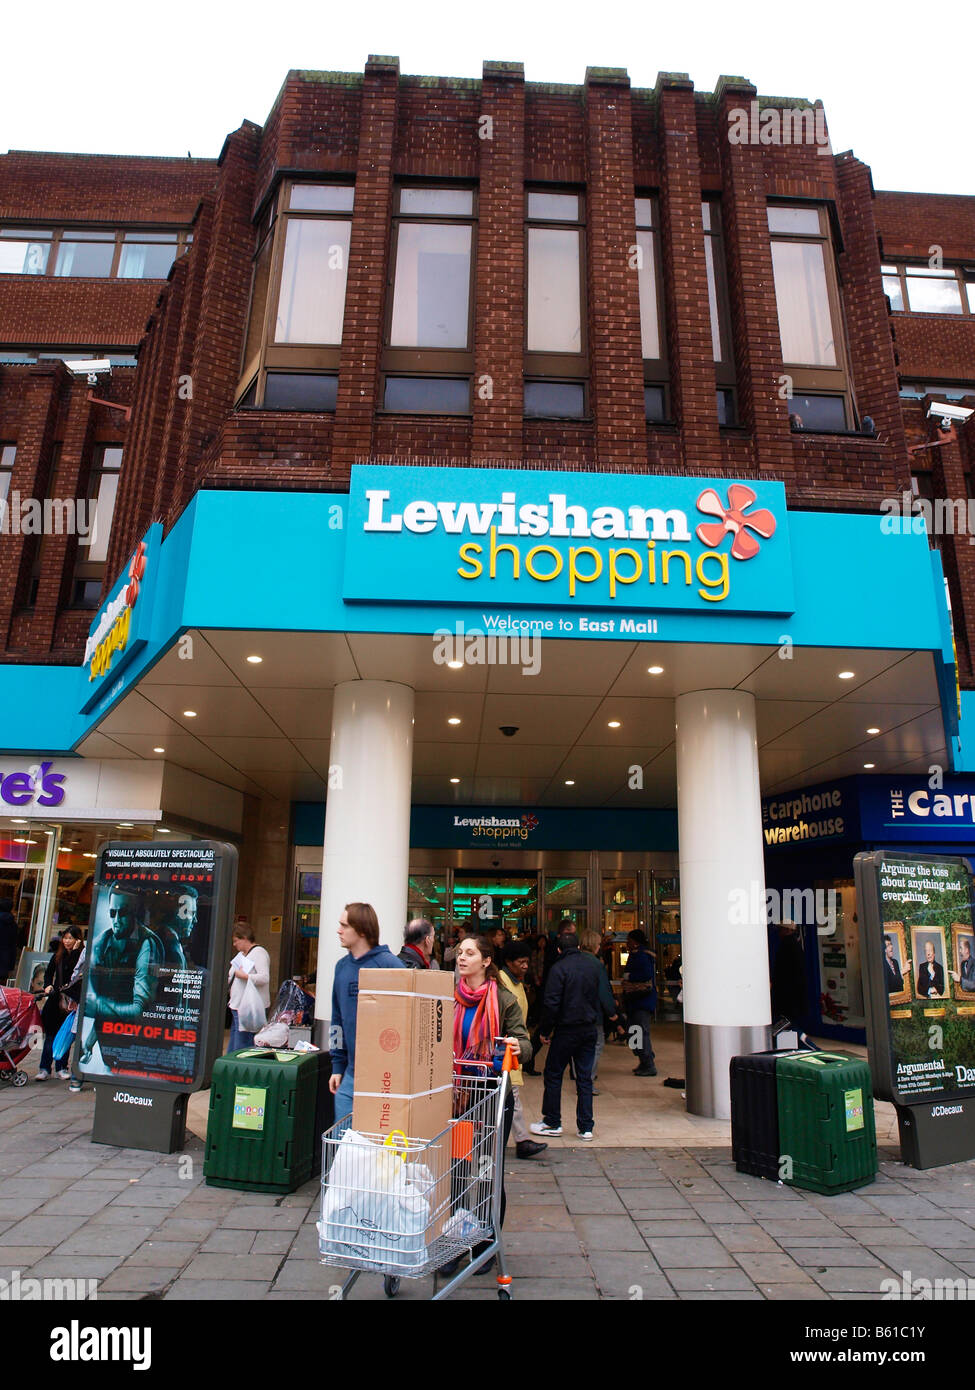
(359, 934)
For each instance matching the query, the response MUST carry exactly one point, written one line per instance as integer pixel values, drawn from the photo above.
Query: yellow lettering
(614, 573)
(651, 562)
(667, 556)
(496, 551)
(575, 573)
(467, 553)
(722, 579)
(543, 550)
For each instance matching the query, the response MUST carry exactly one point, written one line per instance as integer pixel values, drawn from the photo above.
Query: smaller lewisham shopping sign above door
(567, 540)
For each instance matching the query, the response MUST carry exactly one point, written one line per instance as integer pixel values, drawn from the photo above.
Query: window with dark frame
(297, 313)
(8, 455)
(720, 311)
(653, 335)
(920, 288)
(92, 552)
(810, 318)
(556, 364)
(100, 253)
(428, 357)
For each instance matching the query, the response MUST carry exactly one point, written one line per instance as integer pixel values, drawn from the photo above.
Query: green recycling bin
(262, 1134)
(826, 1124)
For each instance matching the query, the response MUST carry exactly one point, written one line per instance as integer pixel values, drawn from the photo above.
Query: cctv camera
(941, 410)
(94, 367)
(495, 863)
(509, 730)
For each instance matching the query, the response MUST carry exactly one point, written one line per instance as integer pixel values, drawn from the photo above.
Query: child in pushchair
(19, 1018)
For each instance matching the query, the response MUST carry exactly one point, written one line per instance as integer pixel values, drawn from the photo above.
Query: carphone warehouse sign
(567, 540)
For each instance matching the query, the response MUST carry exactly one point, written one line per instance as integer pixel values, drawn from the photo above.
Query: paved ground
(583, 1223)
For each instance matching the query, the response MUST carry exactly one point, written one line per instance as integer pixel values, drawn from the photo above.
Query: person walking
(359, 934)
(517, 957)
(56, 978)
(640, 998)
(569, 1015)
(418, 942)
(250, 962)
(589, 945)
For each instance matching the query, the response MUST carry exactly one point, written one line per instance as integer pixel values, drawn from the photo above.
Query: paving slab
(695, 1252)
(233, 1267)
(608, 1233)
(245, 1290)
(711, 1280)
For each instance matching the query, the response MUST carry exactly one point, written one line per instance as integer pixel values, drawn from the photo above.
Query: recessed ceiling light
(869, 764)
(25, 842)
(454, 781)
(88, 855)
(164, 830)
(873, 731)
(453, 720)
(189, 713)
(255, 660)
(655, 670)
(570, 783)
(847, 675)
(159, 750)
(613, 724)
(454, 665)
(18, 820)
(125, 824)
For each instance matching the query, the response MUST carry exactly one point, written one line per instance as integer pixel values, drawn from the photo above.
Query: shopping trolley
(405, 1208)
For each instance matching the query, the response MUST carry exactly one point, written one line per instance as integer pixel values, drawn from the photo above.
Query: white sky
(140, 78)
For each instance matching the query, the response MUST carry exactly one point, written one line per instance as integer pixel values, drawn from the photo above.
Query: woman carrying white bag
(249, 980)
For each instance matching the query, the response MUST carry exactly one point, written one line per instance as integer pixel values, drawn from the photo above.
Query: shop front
(514, 695)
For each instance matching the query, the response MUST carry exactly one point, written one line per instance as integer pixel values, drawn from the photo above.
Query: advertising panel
(918, 950)
(158, 942)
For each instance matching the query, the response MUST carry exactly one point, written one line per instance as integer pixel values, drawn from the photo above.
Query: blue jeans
(578, 1046)
(238, 1038)
(48, 1060)
(343, 1096)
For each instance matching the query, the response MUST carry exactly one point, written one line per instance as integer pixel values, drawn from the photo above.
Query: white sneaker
(584, 1133)
(75, 1086)
(64, 1074)
(540, 1127)
(42, 1076)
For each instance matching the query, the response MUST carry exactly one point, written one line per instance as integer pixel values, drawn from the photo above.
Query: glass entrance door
(490, 900)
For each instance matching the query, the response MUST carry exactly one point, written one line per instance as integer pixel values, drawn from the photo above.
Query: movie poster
(918, 932)
(147, 977)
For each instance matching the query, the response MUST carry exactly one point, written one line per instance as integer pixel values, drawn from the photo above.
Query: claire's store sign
(37, 785)
(567, 540)
(121, 626)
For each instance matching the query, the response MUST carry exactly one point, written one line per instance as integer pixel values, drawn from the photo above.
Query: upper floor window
(103, 482)
(925, 289)
(8, 453)
(556, 362)
(720, 312)
(87, 252)
(652, 334)
(428, 358)
(300, 271)
(807, 296)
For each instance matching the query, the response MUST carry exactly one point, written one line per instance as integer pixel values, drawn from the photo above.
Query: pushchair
(19, 1018)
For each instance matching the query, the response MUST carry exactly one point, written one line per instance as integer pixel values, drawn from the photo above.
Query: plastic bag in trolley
(376, 1206)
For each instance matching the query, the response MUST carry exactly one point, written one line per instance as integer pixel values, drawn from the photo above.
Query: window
(8, 452)
(807, 297)
(925, 289)
(301, 266)
(718, 305)
(95, 253)
(103, 482)
(556, 363)
(428, 358)
(652, 333)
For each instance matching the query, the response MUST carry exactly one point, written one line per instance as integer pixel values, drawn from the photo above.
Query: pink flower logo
(529, 822)
(733, 519)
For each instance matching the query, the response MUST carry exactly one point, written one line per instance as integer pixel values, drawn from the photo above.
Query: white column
(722, 892)
(367, 817)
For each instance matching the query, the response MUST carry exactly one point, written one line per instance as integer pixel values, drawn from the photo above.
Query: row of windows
(102, 491)
(926, 289)
(106, 253)
(291, 355)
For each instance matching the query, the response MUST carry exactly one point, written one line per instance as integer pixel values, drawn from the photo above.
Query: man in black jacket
(570, 1012)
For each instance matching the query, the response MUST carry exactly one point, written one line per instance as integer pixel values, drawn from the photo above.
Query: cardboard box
(404, 1052)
